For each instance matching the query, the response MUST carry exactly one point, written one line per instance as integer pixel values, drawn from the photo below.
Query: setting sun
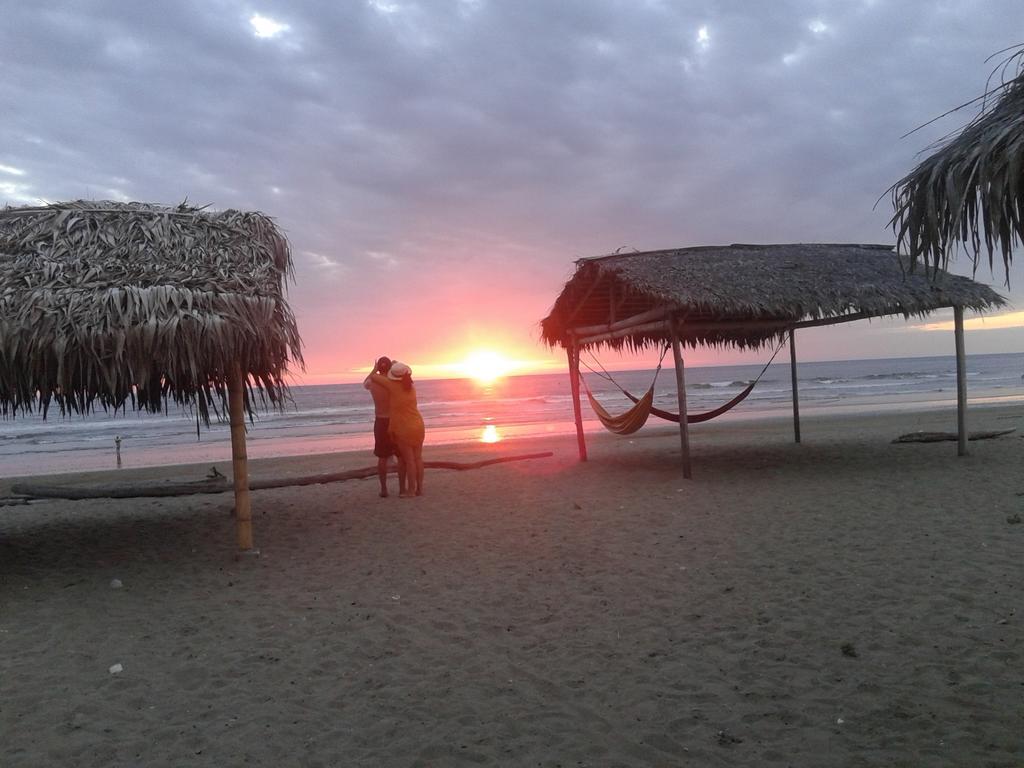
(485, 366)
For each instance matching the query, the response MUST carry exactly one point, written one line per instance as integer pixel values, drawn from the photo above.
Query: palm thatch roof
(743, 295)
(104, 302)
(970, 192)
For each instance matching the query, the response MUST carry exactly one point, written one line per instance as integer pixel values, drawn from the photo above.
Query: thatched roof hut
(113, 303)
(105, 303)
(742, 296)
(970, 192)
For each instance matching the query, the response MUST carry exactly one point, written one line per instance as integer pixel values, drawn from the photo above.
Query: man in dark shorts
(383, 447)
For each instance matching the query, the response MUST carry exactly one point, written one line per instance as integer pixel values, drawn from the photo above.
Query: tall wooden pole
(574, 383)
(796, 396)
(684, 427)
(239, 459)
(961, 382)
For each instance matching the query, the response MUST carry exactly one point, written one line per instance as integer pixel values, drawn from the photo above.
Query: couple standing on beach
(397, 426)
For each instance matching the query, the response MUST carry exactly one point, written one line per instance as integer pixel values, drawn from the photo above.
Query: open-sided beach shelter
(970, 191)
(115, 303)
(744, 296)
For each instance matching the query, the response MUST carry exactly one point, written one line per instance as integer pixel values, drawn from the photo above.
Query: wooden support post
(961, 382)
(574, 383)
(796, 396)
(684, 427)
(239, 459)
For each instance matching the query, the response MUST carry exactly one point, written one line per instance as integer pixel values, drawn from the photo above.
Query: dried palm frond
(970, 192)
(109, 303)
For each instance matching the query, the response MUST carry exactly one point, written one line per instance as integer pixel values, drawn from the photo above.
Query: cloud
(471, 140)
(266, 27)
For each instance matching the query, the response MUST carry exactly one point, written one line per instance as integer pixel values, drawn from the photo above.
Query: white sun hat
(398, 370)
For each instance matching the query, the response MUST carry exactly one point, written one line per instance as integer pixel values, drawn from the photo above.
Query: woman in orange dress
(406, 426)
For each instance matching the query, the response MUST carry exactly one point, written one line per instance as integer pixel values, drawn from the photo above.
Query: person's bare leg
(382, 475)
(403, 473)
(418, 453)
(409, 458)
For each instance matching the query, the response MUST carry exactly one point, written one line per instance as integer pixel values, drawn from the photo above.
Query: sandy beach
(843, 602)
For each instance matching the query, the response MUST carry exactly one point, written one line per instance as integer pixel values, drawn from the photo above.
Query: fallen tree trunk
(938, 437)
(223, 484)
(353, 474)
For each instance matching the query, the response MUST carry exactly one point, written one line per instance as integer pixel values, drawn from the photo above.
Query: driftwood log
(939, 437)
(223, 484)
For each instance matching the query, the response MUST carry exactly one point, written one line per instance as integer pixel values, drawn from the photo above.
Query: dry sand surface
(844, 602)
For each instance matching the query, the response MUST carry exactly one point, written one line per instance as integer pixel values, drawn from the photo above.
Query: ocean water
(339, 417)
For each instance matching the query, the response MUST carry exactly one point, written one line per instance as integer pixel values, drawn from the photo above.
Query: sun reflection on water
(490, 434)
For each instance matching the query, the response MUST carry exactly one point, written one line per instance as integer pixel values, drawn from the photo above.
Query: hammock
(631, 420)
(697, 418)
(625, 423)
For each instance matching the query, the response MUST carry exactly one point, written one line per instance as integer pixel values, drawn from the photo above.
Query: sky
(439, 165)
